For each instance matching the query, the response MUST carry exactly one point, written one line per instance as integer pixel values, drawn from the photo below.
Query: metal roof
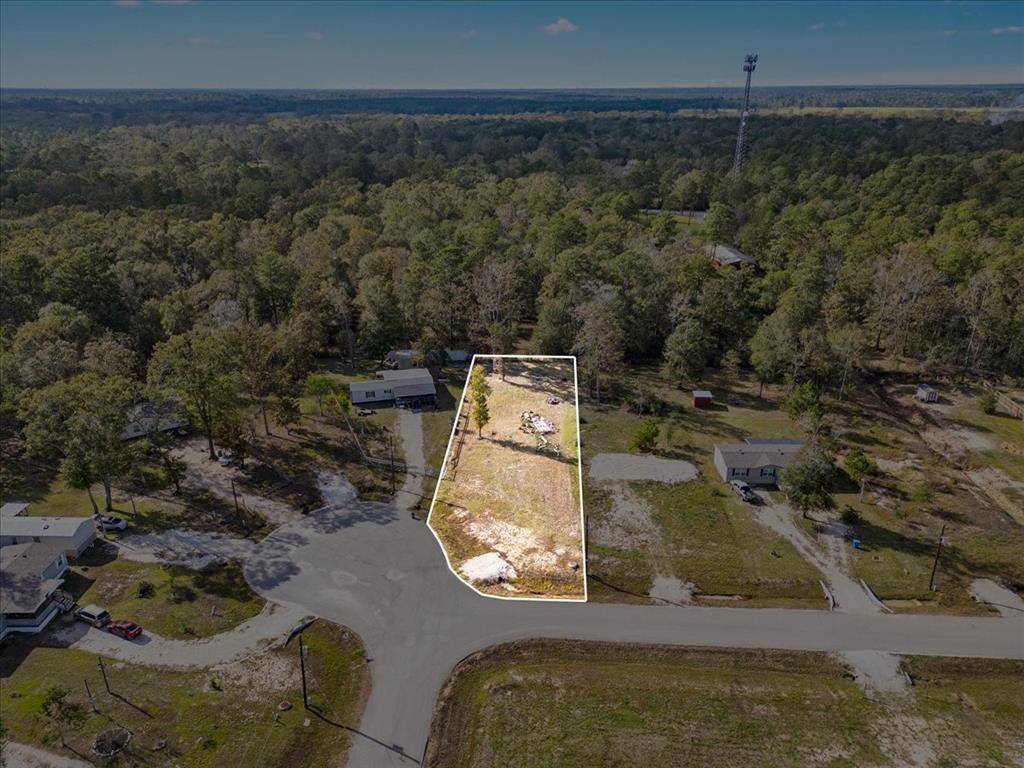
(728, 254)
(414, 389)
(407, 373)
(13, 508)
(763, 453)
(702, 393)
(44, 526)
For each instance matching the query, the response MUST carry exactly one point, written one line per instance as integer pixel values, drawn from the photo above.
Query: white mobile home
(756, 461)
(31, 575)
(73, 535)
(412, 387)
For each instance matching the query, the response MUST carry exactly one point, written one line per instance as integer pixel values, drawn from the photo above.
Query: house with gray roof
(756, 461)
(728, 256)
(73, 535)
(31, 575)
(407, 388)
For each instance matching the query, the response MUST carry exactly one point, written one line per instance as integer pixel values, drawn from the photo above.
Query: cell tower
(749, 64)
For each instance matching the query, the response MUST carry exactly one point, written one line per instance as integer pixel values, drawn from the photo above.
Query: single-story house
(756, 461)
(150, 416)
(926, 394)
(702, 398)
(409, 388)
(458, 356)
(31, 575)
(13, 508)
(728, 256)
(73, 535)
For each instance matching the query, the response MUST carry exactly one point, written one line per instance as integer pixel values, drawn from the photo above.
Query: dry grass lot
(501, 493)
(225, 715)
(555, 704)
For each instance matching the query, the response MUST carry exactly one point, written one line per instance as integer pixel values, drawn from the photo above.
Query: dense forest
(215, 260)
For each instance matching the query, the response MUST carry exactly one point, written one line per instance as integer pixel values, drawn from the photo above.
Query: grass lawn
(185, 603)
(701, 532)
(205, 718)
(548, 704)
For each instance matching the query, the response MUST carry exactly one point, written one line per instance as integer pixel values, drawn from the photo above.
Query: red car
(129, 630)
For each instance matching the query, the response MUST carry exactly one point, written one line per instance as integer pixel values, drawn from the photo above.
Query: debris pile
(534, 422)
(488, 569)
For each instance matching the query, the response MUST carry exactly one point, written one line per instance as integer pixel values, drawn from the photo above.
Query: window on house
(767, 471)
(371, 394)
(740, 472)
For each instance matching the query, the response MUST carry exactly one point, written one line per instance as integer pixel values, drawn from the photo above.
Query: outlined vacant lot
(507, 509)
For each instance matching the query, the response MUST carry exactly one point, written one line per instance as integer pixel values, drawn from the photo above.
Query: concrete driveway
(374, 568)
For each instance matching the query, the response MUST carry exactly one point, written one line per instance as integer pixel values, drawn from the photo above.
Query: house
(13, 508)
(728, 256)
(926, 394)
(702, 398)
(458, 356)
(150, 416)
(409, 388)
(73, 535)
(755, 461)
(402, 359)
(31, 575)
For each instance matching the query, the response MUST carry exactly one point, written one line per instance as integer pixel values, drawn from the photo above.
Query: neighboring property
(31, 575)
(409, 388)
(756, 461)
(728, 256)
(72, 535)
(13, 508)
(458, 356)
(926, 394)
(150, 416)
(702, 398)
(403, 359)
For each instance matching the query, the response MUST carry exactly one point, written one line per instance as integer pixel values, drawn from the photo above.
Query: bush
(146, 590)
(987, 403)
(646, 435)
(182, 594)
(850, 516)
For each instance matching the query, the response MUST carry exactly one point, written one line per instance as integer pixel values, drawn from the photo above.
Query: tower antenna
(749, 64)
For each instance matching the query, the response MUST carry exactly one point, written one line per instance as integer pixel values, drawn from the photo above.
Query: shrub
(646, 435)
(850, 516)
(146, 590)
(987, 403)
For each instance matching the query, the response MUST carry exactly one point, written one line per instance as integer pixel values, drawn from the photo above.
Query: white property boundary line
(579, 471)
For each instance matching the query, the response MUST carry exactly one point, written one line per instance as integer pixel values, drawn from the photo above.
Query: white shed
(74, 535)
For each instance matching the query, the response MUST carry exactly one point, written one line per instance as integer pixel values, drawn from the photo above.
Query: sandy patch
(672, 590)
(488, 569)
(194, 549)
(626, 466)
(629, 523)
(877, 672)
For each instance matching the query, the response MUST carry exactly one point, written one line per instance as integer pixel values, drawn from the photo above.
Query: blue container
(856, 543)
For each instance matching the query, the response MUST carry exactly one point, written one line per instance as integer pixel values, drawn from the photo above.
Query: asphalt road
(373, 568)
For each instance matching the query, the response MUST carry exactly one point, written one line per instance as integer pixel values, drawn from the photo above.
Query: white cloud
(556, 28)
(817, 27)
(1008, 30)
(315, 35)
(469, 33)
(949, 33)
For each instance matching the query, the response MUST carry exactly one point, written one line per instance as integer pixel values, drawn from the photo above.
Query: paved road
(375, 569)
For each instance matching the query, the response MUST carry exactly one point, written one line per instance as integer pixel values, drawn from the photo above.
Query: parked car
(111, 523)
(743, 491)
(365, 412)
(93, 615)
(129, 630)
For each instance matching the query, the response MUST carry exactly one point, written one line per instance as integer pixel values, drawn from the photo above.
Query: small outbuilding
(702, 398)
(926, 394)
(728, 256)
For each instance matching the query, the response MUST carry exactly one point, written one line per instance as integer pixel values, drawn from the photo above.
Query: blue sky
(223, 44)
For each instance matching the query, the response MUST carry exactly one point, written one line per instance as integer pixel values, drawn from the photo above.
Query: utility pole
(92, 699)
(749, 65)
(103, 671)
(302, 665)
(935, 563)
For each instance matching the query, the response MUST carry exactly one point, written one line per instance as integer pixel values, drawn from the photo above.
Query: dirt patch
(671, 590)
(626, 466)
(629, 523)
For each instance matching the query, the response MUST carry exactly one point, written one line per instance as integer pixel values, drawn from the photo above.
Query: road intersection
(379, 571)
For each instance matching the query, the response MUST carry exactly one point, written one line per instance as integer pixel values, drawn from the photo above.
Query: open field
(184, 603)
(504, 492)
(550, 703)
(225, 715)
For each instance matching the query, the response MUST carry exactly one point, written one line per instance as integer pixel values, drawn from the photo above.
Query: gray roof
(407, 373)
(702, 393)
(414, 388)
(13, 508)
(728, 254)
(22, 587)
(759, 453)
(412, 382)
(44, 526)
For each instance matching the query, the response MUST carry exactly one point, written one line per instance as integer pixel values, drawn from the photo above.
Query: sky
(577, 44)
